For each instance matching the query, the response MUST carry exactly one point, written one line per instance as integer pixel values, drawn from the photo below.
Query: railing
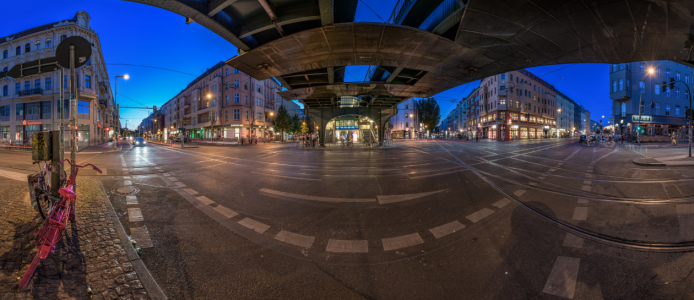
(28, 92)
(103, 86)
(203, 120)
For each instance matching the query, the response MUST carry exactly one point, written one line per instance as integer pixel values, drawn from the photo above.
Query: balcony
(31, 92)
(103, 87)
(624, 95)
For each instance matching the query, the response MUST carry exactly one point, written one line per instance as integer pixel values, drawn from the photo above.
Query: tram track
(684, 246)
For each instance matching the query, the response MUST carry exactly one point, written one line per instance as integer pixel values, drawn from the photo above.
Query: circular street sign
(83, 50)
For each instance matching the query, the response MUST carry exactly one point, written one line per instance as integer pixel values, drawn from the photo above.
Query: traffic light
(688, 113)
(652, 105)
(672, 83)
(663, 87)
(638, 128)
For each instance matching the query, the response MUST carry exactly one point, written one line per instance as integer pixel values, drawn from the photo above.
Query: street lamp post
(557, 125)
(115, 98)
(638, 128)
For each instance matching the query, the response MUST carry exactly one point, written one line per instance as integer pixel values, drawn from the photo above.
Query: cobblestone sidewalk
(90, 256)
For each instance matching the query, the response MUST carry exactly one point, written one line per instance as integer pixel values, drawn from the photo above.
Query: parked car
(583, 139)
(139, 142)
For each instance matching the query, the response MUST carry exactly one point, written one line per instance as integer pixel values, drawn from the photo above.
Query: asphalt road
(546, 219)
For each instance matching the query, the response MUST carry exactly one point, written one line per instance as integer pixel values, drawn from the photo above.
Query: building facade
(31, 104)
(222, 103)
(515, 105)
(660, 113)
(404, 124)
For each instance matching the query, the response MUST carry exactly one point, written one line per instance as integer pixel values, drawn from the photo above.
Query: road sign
(33, 67)
(83, 51)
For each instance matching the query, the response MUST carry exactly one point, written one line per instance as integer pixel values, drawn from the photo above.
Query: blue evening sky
(137, 34)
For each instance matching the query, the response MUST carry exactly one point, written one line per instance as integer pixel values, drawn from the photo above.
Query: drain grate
(126, 191)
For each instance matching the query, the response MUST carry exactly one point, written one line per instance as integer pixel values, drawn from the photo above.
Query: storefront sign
(347, 127)
(644, 118)
(30, 123)
(235, 125)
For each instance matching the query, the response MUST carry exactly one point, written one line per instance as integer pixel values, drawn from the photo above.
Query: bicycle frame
(53, 228)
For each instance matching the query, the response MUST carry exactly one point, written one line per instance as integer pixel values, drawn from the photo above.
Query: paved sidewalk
(90, 256)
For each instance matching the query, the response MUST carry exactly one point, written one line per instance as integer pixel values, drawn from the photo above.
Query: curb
(648, 162)
(153, 289)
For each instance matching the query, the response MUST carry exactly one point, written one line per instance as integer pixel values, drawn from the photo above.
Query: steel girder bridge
(429, 46)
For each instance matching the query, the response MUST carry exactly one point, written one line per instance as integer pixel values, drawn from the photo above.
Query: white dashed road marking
(387, 199)
(402, 241)
(479, 215)
(347, 246)
(315, 198)
(13, 175)
(228, 213)
(180, 184)
(446, 229)
(205, 200)
(295, 239)
(562, 279)
(131, 200)
(141, 236)
(254, 225)
(519, 193)
(582, 201)
(572, 241)
(501, 203)
(191, 192)
(173, 179)
(135, 215)
(580, 214)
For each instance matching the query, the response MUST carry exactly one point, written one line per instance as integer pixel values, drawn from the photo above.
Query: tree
(283, 121)
(295, 127)
(429, 112)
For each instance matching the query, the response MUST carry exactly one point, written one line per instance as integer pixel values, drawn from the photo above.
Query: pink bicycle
(53, 227)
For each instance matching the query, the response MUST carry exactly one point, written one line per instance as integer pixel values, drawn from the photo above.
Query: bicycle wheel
(30, 272)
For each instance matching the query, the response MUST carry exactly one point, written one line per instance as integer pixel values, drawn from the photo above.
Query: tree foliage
(429, 112)
(283, 121)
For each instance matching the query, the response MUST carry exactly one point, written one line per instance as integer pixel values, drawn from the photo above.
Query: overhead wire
(152, 67)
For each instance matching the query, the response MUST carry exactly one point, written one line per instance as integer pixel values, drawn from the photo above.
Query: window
(19, 111)
(642, 87)
(236, 83)
(62, 37)
(503, 76)
(214, 88)
(27, 47)
(83, 107)
(657, 71)
(65, 82)
(614, 86)
(686, 79)
(247, 116)
(621, 84)
(260, 88)
(227, 72)
(236, 98)
(667, 73)
(37, 84)
(236, 71)
(46, 108)
(27, 86)
(686, 94)
(502, 87)
(260, 102)
(667, 109)
(237, 114)
(5, 90)
(502, 101)
(226, 112)
(18, 50)
(657, 89)
(245, 85)
(614, 68)
(87, 81)
(624, 109)
(37, 46)
(642, 67)
(214, 102)
(677, 93)
(677, 110)
(16, 88)
(226, 99)
(642, 108)
(48, 84)
(245, 99)
(677, 76)
(667, 91)
(48, 43)
(5, 54)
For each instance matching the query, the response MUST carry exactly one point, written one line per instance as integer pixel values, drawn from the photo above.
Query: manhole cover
(126, 190)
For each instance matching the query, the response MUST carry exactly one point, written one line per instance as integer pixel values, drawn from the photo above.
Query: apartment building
(515, 105)
(404, 124)
(659, 113)
(31, 104)
(223, 102)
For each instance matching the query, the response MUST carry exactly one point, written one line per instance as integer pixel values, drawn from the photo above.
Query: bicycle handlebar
(79, 167)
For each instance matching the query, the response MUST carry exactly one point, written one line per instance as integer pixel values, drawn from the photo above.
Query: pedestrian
(477, 137)
(256, 140)
(674, 140)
